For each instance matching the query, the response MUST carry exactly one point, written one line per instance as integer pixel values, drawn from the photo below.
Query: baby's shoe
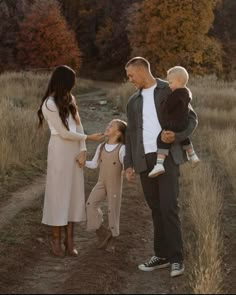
(194, 160)
(157, 170)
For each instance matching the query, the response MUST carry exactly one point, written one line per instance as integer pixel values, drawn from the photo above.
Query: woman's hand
(167, 136)
(81, 159)
(96, 136)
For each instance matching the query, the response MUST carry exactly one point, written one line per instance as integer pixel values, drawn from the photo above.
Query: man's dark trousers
(161, 194)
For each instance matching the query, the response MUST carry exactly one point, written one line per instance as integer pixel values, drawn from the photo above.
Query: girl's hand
(129, 173)
(96, 136)
(81, 158)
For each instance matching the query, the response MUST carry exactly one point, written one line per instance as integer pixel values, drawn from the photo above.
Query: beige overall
(109, 185)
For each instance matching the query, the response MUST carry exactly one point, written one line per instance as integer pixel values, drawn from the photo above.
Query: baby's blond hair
(179, 73)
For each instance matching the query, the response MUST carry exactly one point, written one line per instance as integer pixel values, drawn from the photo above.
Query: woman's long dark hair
(60, 85)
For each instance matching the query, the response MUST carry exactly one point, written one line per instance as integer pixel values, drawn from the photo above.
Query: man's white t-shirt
(151, 125)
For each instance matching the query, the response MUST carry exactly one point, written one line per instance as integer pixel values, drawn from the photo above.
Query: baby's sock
(191, 154)
(160, 160)
(193, 158)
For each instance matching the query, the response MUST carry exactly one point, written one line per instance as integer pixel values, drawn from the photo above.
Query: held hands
(129, 173)
(81, 159)
(167, 136)
(96, 136)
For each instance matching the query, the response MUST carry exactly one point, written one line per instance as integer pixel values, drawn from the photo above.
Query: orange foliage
(173, 32)
(44, 40)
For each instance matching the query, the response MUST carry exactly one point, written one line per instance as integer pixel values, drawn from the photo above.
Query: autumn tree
(173, 32)
(11, 13)
(225, 30)
(44, 39)
(111, 38)
(100, 27)
(81, 15)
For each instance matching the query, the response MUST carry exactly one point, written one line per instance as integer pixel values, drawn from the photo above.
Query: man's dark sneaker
(154, 263)
(177, 269)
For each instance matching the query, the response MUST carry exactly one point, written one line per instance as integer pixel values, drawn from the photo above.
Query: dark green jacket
(135, 156)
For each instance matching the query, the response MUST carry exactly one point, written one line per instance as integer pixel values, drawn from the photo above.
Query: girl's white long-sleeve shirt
(93, 164)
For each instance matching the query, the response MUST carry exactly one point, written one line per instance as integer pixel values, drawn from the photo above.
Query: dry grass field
(207, 192)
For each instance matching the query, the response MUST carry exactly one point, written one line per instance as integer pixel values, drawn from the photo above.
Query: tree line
(97, 37)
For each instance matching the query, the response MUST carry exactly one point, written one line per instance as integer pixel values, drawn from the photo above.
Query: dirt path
(27, 265)
(20, 200)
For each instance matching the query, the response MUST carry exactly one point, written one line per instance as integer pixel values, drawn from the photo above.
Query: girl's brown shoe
(104, 241)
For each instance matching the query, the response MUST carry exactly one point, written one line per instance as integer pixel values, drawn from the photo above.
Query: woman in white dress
(64, 201)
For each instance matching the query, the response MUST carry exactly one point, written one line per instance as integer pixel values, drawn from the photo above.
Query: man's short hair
(138, 61)
(180, 73)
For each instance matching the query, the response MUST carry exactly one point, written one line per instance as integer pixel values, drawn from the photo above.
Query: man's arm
(128, 163)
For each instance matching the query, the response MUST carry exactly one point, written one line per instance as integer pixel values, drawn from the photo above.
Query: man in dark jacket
(161, 193)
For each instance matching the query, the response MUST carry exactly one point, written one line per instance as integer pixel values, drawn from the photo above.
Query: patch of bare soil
(27, 266)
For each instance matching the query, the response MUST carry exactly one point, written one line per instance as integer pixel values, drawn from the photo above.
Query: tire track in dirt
(20, 200)
(49, 274)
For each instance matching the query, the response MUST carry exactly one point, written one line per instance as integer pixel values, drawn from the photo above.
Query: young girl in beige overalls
(109, 156)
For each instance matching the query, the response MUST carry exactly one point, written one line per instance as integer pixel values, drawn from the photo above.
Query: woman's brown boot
(56, 242)
(69, 240)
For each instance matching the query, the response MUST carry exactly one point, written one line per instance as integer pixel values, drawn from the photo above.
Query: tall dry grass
(204, 208)
(20, 141)
(120, 95)
(205, 187)
(214, 102)
(223, 144)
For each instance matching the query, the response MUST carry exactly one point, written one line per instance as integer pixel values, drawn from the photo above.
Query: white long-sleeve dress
(64, 194)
